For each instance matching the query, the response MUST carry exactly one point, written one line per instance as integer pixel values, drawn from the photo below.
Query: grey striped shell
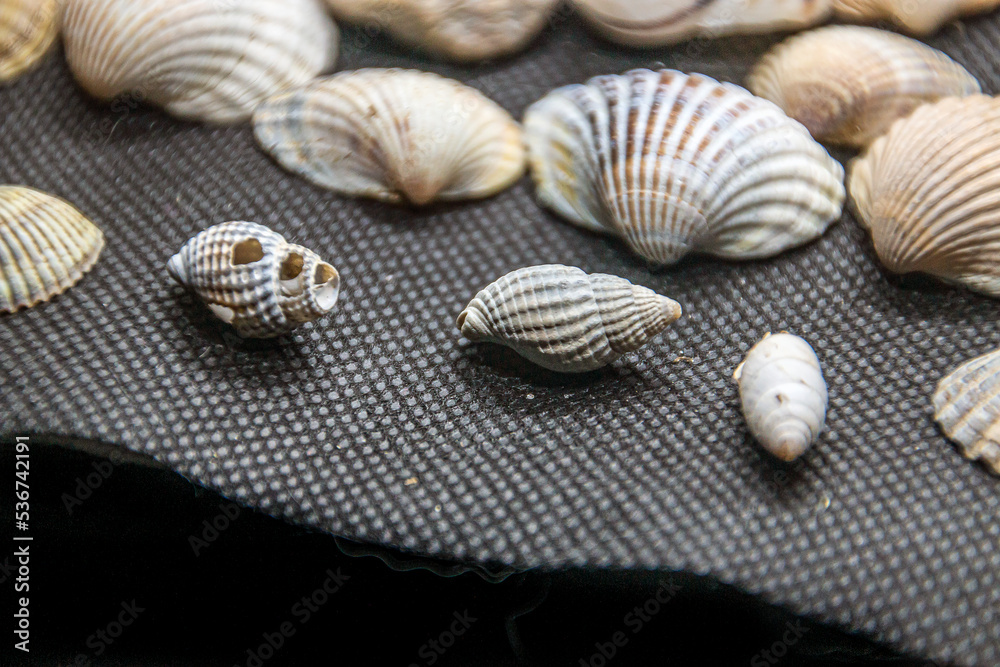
(783, 394)
(927, 192)
(46, 246)
(853, 100)
(676, 164)
(27, 29)
(565, 320)
(919, 17)
(967, 408)
(395, 135)
(251, 278)
(210, 60)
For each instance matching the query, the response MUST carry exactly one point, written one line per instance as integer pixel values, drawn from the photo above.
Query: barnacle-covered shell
(463, 30)
(967, 408)
(211, 60)
(929, 192)
(658, 22)
(251, 278)
(565, 320)
(920, 17)
(676, 164)
(46, 246)
(27, 30)
(853, 100)
(783, 394)
(395, 135)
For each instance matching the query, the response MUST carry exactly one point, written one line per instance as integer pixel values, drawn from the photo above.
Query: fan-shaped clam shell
(565, 320)
(783, 394)
(463, 30)
(393, 135)
(967, 408)
(676, 164)
(211, 60)
(853, 100)
(928, 192)
(46, 246)
(27, 30)
(251, 278)
(918, 18)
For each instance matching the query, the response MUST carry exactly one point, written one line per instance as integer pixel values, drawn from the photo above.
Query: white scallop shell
(251, 278)
(783, 394)
(659, 22)
(27, 29)
(919, 17)
(462, 30)
(46, 246)
(854, 100)
(395, 135)
(967, 408)
(565, 320)
(676, 164)
(211, 60)
(928, 192)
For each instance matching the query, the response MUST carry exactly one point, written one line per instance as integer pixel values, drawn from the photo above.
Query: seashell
(251, 278)
(927, 192)
(918, 18)
(661, 22)
(783, 394)
(210, 60)
(852, 101)
(565, 320)
(676, 164)
(46, 246)
(967, 408)
(393, 135)
(27, 29)
(462, 30)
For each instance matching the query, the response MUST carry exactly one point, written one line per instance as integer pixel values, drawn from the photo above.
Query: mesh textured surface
(382, 425)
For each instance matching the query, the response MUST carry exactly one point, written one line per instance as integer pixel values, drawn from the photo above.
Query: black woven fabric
(380, 424)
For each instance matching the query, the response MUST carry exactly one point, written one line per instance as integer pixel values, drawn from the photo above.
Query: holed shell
(251, 278)
(967, 408)
(929, 192)
(46, 246)
(462, 30)
(209, 60)
(917, 17)
(27, 29)
(395, 135)
(853, 100)
(564, 319)
(783, 394)
(676, 164)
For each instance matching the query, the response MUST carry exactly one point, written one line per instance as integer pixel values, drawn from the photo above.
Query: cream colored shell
(967, 408)
(27, 29)
(209, 60)
(394, 135)
(848, 84)
(919, 17)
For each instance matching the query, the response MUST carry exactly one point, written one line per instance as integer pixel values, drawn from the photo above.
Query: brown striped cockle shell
(27, 29)
(967, 408)
(918, 17)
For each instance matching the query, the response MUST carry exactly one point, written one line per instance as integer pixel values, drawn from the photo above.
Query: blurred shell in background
(967, 408)
(27, 29)
(918, 17)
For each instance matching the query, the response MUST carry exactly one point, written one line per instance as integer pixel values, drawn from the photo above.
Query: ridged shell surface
(209, 60)
(853, 100)
(565, 320)
(46, 246)
(251, 278)
(27, 29)
(675, 164)
(395, 135)
(462, 30)
(783, 394)
(920, 17)
(967, 408)
(929, 192)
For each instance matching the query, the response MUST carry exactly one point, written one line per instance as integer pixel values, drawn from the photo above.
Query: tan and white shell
(783, 394)
(929, 192)
(27, 29)
(675, 164)
(46, 246)
(461, 30)
(918, 17)
(564, 319)
(251, 278)
(967, 408)
(209, 60)
(394, 135)
(852, 100)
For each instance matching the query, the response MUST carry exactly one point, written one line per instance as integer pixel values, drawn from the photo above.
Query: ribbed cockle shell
(919, 17)
(27, 29)
(967, 408)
